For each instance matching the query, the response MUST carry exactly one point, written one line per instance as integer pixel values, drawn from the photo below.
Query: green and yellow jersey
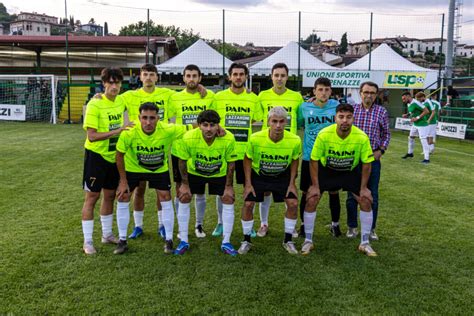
(290, 100)
(104, 115)
(270, 158)
(342, 154)
(135, 98)
(237, 111)
(205, 160)
(186, 106)
(415, 108)
(149, 153)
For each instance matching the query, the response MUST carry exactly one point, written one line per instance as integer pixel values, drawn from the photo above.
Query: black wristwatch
(381, 150)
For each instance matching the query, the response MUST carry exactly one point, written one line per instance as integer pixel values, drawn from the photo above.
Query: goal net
(31, 98)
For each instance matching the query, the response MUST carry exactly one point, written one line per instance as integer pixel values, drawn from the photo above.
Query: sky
(268, 22)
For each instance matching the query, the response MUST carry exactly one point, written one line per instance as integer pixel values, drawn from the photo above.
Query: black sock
(335, 206)
(247, 238)
(302, 207)
(288, 237)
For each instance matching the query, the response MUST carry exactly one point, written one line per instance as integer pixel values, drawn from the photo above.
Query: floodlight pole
(223, 49)
(68, 75)
(440, 82)
(370, 40)
(147, 34)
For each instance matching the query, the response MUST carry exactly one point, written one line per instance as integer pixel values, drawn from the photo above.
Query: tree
(6, 18)
(106, 29)
(343, 46)
(310, 40)
(92, 21)
(71, 21)
(231, 51)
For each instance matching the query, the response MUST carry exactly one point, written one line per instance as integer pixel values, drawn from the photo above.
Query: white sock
(247, 227)
(411, 145)
(183, 220)
(168, 218)
(200, 205)
(290, 225)
(265, 209)
(426, 148)
(432, 148)
(219, 209)
(176, 205)
(335, 223)
(309, 219)
(160, 216)
(366, 219)
(123, 218)
(228, 221)
(138, 218)
(87, 229)
(107, 222)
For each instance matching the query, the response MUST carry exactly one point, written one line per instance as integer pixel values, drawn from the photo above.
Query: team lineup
(209, 140)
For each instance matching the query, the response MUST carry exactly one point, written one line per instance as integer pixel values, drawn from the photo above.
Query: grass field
(425, 263)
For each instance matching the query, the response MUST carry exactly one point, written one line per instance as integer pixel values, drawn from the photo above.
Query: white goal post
(31, 98)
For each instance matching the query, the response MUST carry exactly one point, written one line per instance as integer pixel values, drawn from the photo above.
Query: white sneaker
(290, 247)
(351, 232)
(307, 247)
(373, 235)
(295, 233)
(244, 247)
(111, 239)
(88, 248)
(199, 232)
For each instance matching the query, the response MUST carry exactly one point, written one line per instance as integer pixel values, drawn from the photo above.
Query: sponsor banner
(13, 112)
(403, 123)
(339, 78)
(451, 130)
(404, 80)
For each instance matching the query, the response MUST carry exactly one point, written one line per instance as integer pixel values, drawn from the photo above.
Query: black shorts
(98, 173)
(239, 172)
(305, 180)
(160, 181)
(197, 184)
(176, 173)
(278, 186)
(332, 180)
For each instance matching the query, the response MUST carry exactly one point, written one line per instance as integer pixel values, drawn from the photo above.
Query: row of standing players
(236, 109)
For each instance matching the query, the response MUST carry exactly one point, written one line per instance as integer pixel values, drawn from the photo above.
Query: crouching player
(271, 165)
(142, 155)
(205, 158)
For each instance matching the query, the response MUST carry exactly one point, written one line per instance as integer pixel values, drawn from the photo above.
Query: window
(37, 28)
(411, 45)
(46, 30)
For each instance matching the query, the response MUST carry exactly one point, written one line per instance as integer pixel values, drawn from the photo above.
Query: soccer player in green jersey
(142, 155)
(205, 158)
(271, 165)
(419, 117)
(278, 95)
(184, 108)
(103, 123)
(238, 109)
(433, 120)
(338, 153)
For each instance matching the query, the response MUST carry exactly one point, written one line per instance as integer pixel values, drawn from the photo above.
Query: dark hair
(238, 66)
(108, 73)
(209, 116)
(149, 67)
(192, 67)
(370, 84)
(345, 107)
(323, 81)
(406, 93)
(280, 65)
(148, 106)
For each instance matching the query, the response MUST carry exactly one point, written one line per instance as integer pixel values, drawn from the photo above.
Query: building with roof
(33, 24)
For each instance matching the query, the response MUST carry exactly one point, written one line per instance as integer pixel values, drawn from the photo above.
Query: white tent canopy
(201, 54)
(385, 58)
(289, 56)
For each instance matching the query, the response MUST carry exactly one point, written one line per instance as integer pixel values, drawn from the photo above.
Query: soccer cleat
(373, 235)
(88, 248)
(290, 247)
(352, 232)
(218, 231)
(162, 232)
(199, 232)
(168, 248)
(262, 231)
(253, 233)
(367, 250)
(425, 161)
(335, 230)
(244, 247)
(407, 156)
(302, 234)
(111, 239)
(228, 249)
(307, 247)
(122, 247)
(182, 248)
(137, 232)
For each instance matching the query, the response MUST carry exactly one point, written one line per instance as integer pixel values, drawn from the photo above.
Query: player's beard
(191, 86)
(234, 85)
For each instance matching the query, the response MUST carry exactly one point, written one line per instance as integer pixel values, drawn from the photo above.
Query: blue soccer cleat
(162, 232)
(137, 232)
(218, 231)
(182, 248)
(228, 249)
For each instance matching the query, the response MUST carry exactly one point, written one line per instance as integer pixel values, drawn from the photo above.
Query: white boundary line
(440, 148)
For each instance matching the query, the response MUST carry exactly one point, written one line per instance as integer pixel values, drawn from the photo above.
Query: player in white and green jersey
(204, 159)
(278, 95)
(142, 155)
(419, 117)
(271, 165)
(433, 120)
(238, 109)
(184, 108)
(341, 159)
(103, 123)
